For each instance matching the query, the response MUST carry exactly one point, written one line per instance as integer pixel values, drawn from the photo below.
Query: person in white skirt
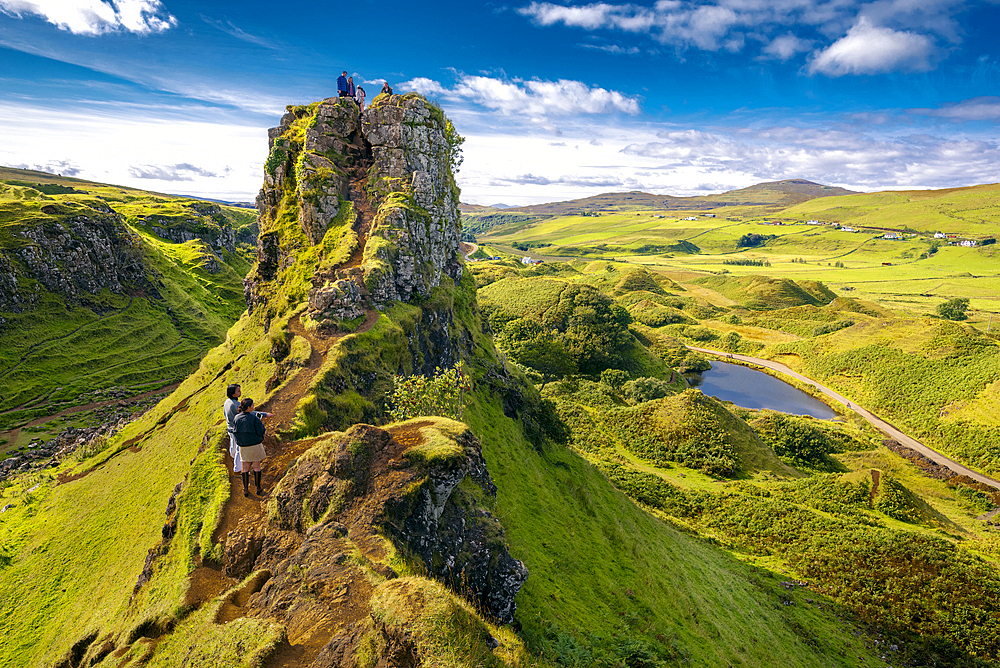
(249, 433)
(230, 409)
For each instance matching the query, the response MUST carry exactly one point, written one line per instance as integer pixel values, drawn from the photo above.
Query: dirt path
(467, 248)
(242, 513)
(13, 434)
(873, 419)
(365, 217)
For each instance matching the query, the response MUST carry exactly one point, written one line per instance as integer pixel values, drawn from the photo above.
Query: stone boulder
(422, 483)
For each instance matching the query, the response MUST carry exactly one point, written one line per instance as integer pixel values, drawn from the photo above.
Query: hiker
(249, 434)
(350, 87)
(359, 97)
(342, 84)
(230, 409)
(386, 88)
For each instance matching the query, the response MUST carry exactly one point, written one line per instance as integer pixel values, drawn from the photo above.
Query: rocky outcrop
(340, 300)
(392, 164)
(203, 221)
(423, 484)
(72, 256)
(417, 200)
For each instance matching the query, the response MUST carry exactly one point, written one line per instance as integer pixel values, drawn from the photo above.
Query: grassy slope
(90, 536)
(599, 563)
(112, 340)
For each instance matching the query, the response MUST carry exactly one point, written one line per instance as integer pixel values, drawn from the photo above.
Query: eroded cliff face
(346, 511)
(69, 253)
(382, 177)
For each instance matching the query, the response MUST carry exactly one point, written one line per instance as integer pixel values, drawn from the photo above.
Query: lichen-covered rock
(340, 300)
(417, 216)
(72, 256)
(393, 163)
(423, 483)
(446, 522)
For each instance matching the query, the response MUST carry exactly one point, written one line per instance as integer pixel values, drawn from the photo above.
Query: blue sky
(556, 100)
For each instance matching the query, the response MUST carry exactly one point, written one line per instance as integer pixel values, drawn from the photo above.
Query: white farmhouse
(940, 235)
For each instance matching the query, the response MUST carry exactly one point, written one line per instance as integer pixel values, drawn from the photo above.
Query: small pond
(750, 388)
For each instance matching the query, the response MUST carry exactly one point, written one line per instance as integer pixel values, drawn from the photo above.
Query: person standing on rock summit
(249, 434)
(386, 88)
(350, 87)
(359, 97)
(342, 84)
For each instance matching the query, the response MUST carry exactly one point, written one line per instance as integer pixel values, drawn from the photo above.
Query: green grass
(72, 347)
(104, 523)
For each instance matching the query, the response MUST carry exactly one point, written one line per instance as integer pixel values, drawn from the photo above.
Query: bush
(444, 394)
(954, 309)
(614, 378)
(645, 389)
(794, 438)
(831, 327)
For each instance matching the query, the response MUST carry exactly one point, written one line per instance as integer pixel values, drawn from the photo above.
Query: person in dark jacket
(386, 88)
(249, 433)
(342, 84)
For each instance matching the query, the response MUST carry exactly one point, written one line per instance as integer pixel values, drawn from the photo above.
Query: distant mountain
(781, 193)
(776, 193)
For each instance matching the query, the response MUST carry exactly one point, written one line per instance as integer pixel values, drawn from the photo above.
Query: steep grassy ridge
(59, 341)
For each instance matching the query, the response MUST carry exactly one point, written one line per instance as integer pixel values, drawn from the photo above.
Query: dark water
(750, 388)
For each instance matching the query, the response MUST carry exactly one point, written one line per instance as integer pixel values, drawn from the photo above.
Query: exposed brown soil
(243, 514)
(365, 217)
(13, 434)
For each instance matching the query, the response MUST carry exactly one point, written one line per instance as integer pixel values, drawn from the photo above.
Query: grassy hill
(480, 220)
(122, 556)
(107, 288)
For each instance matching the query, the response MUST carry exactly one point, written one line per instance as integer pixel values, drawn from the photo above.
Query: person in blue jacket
(342, 84)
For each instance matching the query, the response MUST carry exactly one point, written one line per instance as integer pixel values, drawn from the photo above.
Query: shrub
(954, 309)
(794, 438)
(645, 389)
(831, 327)
(614, 378)
(444, 394)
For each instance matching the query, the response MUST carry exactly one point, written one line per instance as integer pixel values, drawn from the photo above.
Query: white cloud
(424, 86)
(94, 17)
(831, 157)
(881, 35)
(169, 150)
(871, 49)
(985, 108)
(181, 172)
(535, 99)
(613, 48)
(786, 47)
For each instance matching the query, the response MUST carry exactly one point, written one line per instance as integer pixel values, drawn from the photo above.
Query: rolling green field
(813, 510)
(914, 274)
